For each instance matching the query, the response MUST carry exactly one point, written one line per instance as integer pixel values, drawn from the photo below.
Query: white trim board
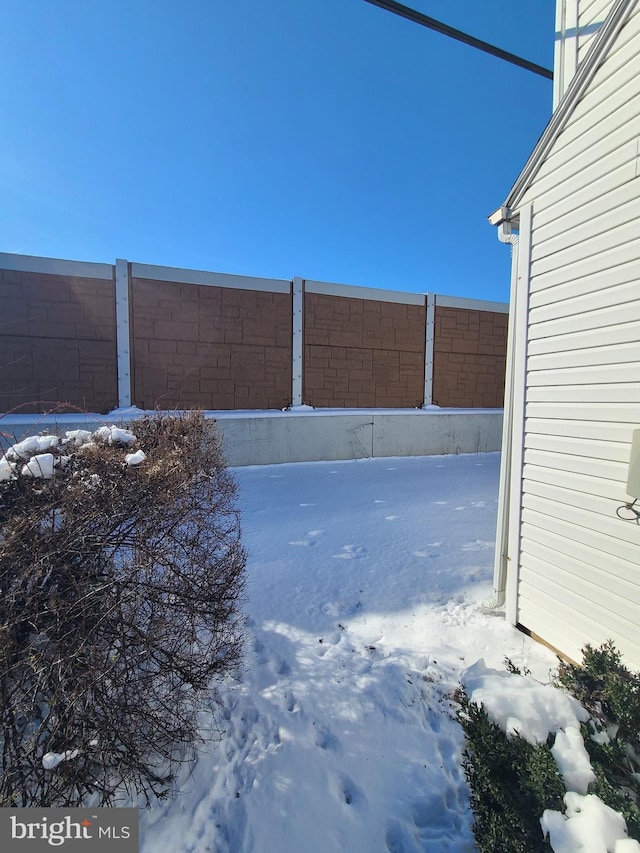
(211, 279)
(297, 342)
(56, 266)
(352, 291)
(123, 337)
(471, 304)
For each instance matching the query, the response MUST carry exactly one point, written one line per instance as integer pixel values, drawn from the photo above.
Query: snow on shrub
(121, 575)
(527, 742)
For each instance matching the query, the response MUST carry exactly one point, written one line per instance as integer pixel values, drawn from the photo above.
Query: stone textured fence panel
(58, 338)
(99, 336)
(199, 346)
(469, 358)
(363, 352)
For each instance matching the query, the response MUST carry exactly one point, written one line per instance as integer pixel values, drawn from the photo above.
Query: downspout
(505, 235)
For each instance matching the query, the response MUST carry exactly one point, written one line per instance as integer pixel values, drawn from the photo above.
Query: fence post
(430, 325)
(123, 345)
(297, 342)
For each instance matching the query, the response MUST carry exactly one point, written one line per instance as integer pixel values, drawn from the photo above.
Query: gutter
(507, 224)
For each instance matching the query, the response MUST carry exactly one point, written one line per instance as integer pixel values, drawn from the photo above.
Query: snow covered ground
(366, 581)
(364, 616)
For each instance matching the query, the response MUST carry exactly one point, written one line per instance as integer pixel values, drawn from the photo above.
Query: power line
(445, 29)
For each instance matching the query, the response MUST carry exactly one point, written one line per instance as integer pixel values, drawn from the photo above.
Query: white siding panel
(591, 16)
(593, 190)
(612, 76)
(604, 262)
(592, 146)
(618, 274)
(613, 233)
(613, 451)
(617, 208)
(591, 501)
(586, 321)
(592, 10)
(611, 393)
(599, 109)
(612, 356)
(585, 153)
(581, 589)
(607, 489)
(623, 333)
(610, 526)
(553, 540)
(580, 602)
(569, 629)
(597, 542)
(624, 413)
(578, 465)
(598, 430)
(571, 563)
(621, 53)
(592, 374)
(585, 483)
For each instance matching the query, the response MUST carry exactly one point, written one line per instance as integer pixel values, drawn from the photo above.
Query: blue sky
(326, 139)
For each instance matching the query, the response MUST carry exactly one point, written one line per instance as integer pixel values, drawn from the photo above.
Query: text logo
(35, 829)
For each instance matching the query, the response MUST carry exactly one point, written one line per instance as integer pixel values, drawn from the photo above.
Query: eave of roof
(602, 43)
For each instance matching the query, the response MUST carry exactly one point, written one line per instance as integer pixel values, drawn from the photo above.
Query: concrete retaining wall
(270, 438)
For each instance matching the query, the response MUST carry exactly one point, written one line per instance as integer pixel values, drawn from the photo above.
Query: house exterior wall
(58, 339)
(578, 578)
(591, 15)
(577, 22)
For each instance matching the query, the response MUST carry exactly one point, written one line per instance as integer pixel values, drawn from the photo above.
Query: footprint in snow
(305, 543)
(398, 839)
(344, 788)
(477, 545)
(341, 608)
(279, 666)
(325, 739)
(431, 814)
(351, 552)
(291, 703)
(478, 503)
(391, 517)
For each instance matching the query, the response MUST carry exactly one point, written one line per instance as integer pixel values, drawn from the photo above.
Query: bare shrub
(120, 587)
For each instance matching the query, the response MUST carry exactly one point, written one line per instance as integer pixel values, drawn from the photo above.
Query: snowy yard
(366, 581)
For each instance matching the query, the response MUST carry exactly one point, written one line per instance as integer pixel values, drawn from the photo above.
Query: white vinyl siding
(591, 15)
(579, 565)
(577, 23)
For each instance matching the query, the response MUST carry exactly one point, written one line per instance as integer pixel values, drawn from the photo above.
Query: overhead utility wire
(445, 29)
